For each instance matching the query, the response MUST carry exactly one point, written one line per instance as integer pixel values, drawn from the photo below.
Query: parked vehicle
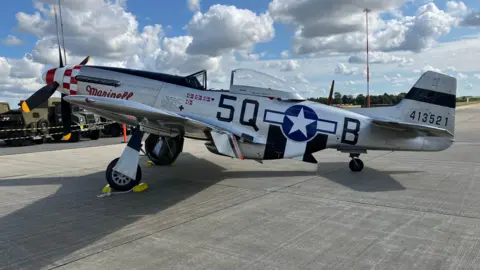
(115, 129)
(112, 129)
(4, 107)
(18, 128)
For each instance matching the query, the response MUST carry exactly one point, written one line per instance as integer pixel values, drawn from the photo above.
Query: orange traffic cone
(124, 133)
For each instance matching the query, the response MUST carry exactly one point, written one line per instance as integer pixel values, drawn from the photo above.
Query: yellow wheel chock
(150, 163)
(107, 190)
(140, 187)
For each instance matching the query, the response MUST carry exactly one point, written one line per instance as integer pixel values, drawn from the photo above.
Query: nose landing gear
(124, 173)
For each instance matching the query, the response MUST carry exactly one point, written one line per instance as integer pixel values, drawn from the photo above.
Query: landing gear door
(226, 144)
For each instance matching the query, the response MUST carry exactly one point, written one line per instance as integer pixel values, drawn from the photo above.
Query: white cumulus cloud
(12, 41)
(193, 5)
(472, 19)
(342, 69)
(284, 54)
(462, 76)
(282, 65)
(105, 30)
(457, 8)
(338, 26)
(315, 18)
(19, 77)
(225, 28)
(379, 58)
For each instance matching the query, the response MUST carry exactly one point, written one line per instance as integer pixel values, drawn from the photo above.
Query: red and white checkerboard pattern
(69, 81)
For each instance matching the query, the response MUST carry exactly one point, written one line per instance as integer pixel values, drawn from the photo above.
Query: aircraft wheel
(120, 182)
(115, 130)
(94, 134)
(356, 165)
(165, 157)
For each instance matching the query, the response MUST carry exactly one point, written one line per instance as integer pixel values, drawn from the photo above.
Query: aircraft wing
(128, 108)
(402, 126)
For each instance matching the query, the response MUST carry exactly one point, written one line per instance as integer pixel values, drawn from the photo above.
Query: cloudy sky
(306, 42)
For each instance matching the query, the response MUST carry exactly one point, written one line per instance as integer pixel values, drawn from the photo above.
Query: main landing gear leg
(356, 164)
(124, 173)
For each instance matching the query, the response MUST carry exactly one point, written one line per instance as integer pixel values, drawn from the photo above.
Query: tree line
(385, 99)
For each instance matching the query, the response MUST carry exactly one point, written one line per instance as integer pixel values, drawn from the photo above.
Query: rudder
(431, 101)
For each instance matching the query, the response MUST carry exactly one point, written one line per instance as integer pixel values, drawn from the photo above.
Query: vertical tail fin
(431, 101)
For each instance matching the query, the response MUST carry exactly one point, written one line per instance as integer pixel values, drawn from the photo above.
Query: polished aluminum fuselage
(346, 130)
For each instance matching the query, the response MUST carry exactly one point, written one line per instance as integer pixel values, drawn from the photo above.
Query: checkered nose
(49, 76)
(69, 81)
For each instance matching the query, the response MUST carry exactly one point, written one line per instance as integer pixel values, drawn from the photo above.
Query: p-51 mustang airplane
(258, 118)
(261, 122)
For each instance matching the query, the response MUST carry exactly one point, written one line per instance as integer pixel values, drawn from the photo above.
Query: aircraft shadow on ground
(60, 226)
(368, 180)
(68, 224)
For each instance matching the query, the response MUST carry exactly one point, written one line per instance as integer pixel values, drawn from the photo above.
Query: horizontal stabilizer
(429, 107)
(402, 126)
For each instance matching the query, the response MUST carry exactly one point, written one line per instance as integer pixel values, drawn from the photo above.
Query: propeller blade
(66, 118)
(58, 37)
(329, 102)
(63, 36)
(85, 61)
(42, 95)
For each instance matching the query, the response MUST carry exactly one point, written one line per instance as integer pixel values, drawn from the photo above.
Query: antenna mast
(63, 36)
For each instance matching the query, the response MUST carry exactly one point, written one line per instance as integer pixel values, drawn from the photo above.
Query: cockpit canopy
(251, 82)
(197, 80)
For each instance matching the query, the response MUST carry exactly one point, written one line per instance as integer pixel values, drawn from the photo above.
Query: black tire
(164, 158)
(17, 142)
(94, 134)
(43, 126)
(115, 130)
(40, 141)
(75, 136)
(356, 165)
(119, 182)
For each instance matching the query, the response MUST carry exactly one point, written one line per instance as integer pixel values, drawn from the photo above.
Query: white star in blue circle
(300, 123)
